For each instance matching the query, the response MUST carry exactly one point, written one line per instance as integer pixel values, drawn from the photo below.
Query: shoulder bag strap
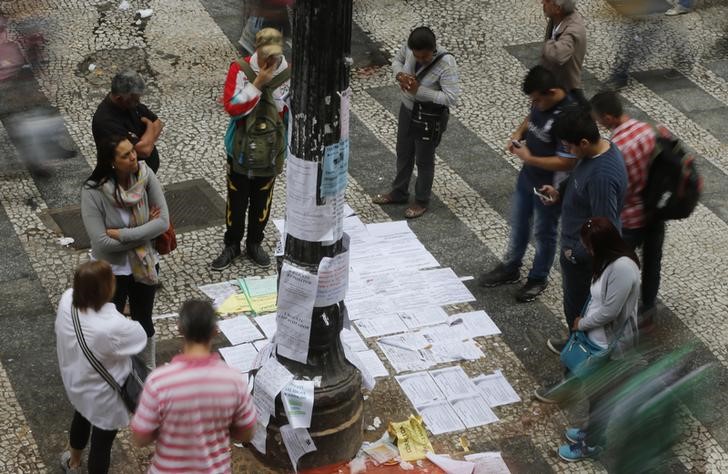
(278, 80)
(95, 363)
(247, 69)
(427, 68)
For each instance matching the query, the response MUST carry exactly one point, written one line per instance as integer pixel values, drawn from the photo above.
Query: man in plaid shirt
(636, 140)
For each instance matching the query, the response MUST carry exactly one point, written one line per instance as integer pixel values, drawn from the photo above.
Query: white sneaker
(677, 10)
(65, 458)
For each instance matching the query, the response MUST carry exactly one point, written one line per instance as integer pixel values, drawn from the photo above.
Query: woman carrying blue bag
(607, 329)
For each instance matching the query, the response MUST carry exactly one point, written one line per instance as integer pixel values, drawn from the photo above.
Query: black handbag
(134, 383)
(429, 120)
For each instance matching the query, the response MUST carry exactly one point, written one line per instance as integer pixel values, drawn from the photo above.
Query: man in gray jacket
(564, 47)
(428, 78)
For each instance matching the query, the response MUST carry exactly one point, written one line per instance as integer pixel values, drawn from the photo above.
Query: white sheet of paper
(219, 292)
(426, 316)
(373, 306)
(381, 326)
(269, 381)
(297, 398)
(451, 466)
(473, 411)
(296, 295)
(440, 417)
(344, 113)
(446, 288)
(333, 277)
(387, 230)
(348, 211)
(373, 364)
(495, 389)
(351, 338)
(420, 388)
(265, 352)
(453, 352)
(267, 322)
(367, 379)
(280, 225)
(304, 218)
(239, 357)
(454, 382)
(239, 330)
(298, 442)
(259, 345)
(404, 352)
(474, 324)
(259, 436)
(488, 463)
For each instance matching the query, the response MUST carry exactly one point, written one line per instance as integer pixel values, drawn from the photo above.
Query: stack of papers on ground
(260, 293)
(447, 399)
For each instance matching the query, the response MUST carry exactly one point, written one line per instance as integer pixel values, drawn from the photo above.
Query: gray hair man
(564, 47)
(121, 113)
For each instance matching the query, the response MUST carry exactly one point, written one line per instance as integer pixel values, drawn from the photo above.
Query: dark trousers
(141, 300)
(651, 238)
(252, 196)
(576, 274)
(411, 151)
(99, 454)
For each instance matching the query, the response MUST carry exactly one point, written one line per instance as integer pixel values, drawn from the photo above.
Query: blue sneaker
(577, 452)
(575, 435)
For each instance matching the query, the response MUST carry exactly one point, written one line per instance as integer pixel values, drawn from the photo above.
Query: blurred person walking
(112, 339)
(122, 114)
(636, 140)
(609, 321)
(192, 406)
(124, 210)
(256, 96)
(429, 84)
(564, 45)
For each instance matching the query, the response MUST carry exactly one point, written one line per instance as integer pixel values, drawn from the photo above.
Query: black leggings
(101, 441)
(141, 300)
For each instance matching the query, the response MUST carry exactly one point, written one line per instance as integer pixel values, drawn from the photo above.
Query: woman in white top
(609, 317)
(112, 338)
(124, 210)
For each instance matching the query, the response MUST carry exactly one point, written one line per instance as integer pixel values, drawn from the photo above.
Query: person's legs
(546, 222)
(121, 293)
(238, 192)
(405, 156)
(689, 4)
(522, 205)
(141, 305)
(99, 455)
(425, 159)
(652, 263)
(78, 438)
(261, 195)
(576, 276)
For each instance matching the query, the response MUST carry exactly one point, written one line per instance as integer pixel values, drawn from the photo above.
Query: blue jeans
(687, 3)
(546, 220)
(650, 238)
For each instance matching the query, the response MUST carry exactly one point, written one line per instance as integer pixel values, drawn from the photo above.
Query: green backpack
(259, 145)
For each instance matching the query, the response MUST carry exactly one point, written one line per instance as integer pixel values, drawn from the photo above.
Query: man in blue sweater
(597, 187)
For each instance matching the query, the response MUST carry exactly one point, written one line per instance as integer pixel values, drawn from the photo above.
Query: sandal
(387, 199)
(413, 212)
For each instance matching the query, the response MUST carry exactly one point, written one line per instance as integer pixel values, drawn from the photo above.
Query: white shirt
(112, 339)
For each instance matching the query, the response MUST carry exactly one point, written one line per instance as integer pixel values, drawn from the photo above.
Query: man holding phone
(534, 142)
(256, 98)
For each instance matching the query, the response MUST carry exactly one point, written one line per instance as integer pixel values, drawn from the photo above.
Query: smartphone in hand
(516, 144)
(543, 196)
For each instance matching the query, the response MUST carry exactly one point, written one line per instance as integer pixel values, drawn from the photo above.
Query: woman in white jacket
(112, 338)
(609, 318)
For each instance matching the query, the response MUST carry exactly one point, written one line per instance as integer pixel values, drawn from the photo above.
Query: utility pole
(320, 76)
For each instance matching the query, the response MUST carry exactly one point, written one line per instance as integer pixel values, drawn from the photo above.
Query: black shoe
(229, 253)
(616, 83)
(498, 276)
(556, 345)
(258, 255)
(531, 290)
